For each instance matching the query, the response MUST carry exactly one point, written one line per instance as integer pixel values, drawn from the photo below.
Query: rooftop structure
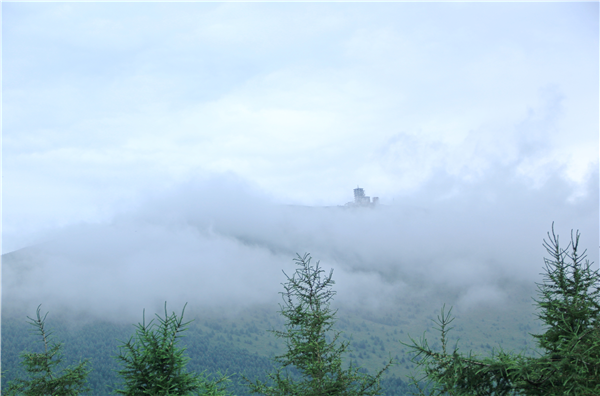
(360, 199)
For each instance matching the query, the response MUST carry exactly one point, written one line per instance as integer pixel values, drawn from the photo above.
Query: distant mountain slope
(239, 343)
(242, 346)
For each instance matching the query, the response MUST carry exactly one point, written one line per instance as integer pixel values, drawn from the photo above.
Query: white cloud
(219, 241)
(479, 122)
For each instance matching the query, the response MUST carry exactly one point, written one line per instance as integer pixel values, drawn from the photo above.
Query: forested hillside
(242, 346)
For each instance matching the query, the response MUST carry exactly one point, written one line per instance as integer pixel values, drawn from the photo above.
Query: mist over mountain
(186, 152)
(220, 243)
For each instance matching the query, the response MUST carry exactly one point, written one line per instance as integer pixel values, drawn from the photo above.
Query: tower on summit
(360, 199)
(359, 195)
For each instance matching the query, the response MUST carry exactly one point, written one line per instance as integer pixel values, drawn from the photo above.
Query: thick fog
(186, 152)
(217, 242)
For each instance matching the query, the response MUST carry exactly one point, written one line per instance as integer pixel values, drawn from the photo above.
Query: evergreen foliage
(45, 378)
(569, 362)
(309, 323)
(155, 365)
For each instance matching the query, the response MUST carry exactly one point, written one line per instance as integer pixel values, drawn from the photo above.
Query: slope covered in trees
(568, 362)
(241, 346)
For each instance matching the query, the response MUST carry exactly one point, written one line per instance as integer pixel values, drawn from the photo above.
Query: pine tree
(309, 322)
(569, 304)
(155, 365)
(43, 368)
(569, 364)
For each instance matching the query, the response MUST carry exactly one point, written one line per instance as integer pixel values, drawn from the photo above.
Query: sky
(188, 150)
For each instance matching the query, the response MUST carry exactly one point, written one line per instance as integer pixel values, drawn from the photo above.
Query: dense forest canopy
(241, 347)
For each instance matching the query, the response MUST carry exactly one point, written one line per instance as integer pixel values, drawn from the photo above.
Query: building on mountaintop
(360, 199)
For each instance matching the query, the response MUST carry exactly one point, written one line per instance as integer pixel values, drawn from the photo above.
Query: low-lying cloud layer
(217, 242)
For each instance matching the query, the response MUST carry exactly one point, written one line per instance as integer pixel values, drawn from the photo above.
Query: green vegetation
(569, 362)
(309, 322)
(155, 365)
(44, 377)
(567, 339)
(209, 349)
(241, 345)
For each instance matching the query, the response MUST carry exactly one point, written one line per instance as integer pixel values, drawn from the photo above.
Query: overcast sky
(472, 119)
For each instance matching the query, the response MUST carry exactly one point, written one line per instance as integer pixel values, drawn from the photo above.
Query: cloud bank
(104, 100)
(220, 243)
(152, 151)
